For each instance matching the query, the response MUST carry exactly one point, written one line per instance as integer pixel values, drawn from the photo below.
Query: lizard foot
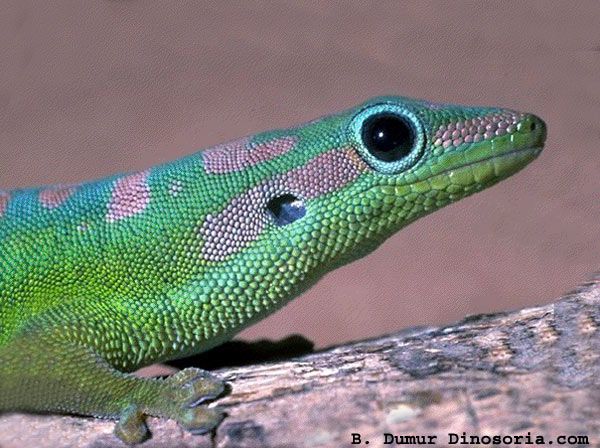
(180, 398)
(190, 388)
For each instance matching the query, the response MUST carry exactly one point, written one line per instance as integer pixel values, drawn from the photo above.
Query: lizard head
(314, 197)
(421, 156)
(373, 169)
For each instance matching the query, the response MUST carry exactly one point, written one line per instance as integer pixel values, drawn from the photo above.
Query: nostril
(286, 209)
(531, 124)
(536, 127)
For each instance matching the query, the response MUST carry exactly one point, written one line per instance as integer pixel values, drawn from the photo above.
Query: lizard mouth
(476, 174)
(494, 166)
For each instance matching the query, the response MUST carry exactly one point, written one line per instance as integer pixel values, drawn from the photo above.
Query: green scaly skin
(99, 279)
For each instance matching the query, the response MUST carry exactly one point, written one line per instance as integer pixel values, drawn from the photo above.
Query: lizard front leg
(42, 375)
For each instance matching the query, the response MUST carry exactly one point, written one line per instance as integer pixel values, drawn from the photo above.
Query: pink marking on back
(239, 154)
(130, 196)
(53, 197)
(4, 198)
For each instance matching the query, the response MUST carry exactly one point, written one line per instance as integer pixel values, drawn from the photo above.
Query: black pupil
(388, 137)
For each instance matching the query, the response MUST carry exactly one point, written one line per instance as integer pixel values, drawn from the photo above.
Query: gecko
(101, 278)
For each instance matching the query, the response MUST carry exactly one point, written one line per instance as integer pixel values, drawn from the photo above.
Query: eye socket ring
(389, 137)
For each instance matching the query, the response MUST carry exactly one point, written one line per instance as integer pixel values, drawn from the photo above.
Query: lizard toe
(200, 420)
(192, 387)
(131, 427)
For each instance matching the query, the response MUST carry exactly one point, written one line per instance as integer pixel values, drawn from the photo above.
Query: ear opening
(285, 209)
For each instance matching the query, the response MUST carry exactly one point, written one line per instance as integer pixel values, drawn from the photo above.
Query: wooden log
(533, 373)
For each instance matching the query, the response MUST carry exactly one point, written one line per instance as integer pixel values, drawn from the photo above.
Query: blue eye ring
(388, 137)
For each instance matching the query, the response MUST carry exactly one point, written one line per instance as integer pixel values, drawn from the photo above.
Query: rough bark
(534, 371)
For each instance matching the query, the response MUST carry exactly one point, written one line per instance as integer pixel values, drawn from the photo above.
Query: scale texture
(101, 278)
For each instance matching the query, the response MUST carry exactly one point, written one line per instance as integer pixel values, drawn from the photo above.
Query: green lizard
(99, 279)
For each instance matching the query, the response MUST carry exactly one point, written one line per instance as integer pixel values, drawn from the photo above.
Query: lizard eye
(286, 209)
(389, 137)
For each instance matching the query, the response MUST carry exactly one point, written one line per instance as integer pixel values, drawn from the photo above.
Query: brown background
(91, 88)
